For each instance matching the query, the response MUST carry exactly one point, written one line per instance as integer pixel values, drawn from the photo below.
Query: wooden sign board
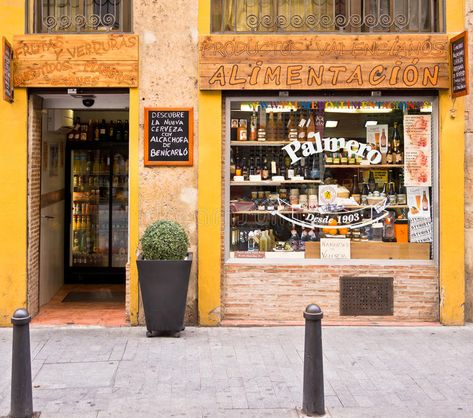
(7, 66)
(169, 136)
(76, 60)
(335, 248)
(459, 65)
(300, 62)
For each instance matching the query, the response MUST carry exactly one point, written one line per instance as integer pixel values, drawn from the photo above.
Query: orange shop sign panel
(300, 62)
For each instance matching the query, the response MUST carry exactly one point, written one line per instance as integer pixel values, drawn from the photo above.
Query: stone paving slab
(245, 372)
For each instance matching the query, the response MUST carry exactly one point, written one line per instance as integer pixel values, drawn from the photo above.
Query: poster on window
(420, 230)
(418, 150)
(377, 136)
(418, 200)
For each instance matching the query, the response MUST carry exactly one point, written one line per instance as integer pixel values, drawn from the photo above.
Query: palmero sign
(320, 145)
(76, 60)
(299, 62)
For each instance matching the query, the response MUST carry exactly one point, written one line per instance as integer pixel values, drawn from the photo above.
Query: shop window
(327, 16)
(311, 178)
(79, 16)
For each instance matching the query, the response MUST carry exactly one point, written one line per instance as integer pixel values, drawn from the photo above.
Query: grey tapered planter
(164, 285)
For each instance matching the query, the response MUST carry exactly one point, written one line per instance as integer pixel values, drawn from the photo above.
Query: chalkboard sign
(459, 64)
(7, 61)
(169, 136)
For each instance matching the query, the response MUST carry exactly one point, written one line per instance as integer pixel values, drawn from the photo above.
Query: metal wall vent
(366, 295)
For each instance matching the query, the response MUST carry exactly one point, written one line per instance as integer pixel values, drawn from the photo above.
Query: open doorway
(81, 239)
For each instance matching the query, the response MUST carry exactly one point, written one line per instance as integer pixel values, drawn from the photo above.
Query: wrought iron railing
(79, 16)
(353, 16)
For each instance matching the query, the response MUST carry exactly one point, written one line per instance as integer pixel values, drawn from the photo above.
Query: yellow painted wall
(451, 146)
(13, 175)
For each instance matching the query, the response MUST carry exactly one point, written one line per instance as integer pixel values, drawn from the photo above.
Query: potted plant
(163, 271)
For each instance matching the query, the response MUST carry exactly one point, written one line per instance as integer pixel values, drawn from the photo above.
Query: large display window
(317, 178)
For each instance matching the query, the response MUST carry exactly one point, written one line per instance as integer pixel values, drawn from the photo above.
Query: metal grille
(366, 295)
(355, 16)
(81, 16)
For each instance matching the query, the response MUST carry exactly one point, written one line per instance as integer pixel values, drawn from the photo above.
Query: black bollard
(313, 402)
(21, 387)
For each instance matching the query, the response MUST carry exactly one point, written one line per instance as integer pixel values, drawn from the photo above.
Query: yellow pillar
(133, 203)
(13, 178)
(210, 201)
(210, 194)
(451, 179)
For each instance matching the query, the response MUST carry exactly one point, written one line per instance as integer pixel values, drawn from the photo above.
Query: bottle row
(276, 126)
(289, 238)
(304, 125)
(307, 199)
(97, 186)
(272, 163)
(84, 222)
(99, 131)
(96, 163)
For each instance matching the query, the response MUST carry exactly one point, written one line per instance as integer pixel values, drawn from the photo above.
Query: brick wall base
(252, 293)
(34, 202)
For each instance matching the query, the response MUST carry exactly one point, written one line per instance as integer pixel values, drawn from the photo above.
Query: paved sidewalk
(245, 372)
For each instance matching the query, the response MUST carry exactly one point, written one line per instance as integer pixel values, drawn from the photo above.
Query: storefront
(386, 89)
(335, 175)
(76, 96)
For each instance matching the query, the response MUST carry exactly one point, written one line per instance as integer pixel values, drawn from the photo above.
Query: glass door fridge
(97, 229)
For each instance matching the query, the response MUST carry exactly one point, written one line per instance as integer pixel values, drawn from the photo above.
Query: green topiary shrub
(164, 240)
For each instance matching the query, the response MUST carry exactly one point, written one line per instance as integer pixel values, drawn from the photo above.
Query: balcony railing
(335, 16)
(79, 16)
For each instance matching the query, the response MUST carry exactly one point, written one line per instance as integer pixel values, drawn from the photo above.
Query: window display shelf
(364, 167)
(302, 212)
(273, 183)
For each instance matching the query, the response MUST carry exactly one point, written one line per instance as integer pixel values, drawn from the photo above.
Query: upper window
(283, 16)
(80, 16)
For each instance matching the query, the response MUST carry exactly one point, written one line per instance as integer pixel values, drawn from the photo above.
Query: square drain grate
(366, 295)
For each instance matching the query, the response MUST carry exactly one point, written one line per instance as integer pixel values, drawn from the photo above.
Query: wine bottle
(242, 133)
(292, 127)
(111, 131)
(279, 127)
(355, 190)
(425, 202)
(234, 130)
(265, 169)
(392, 194)
(271, 127)
(77, 129)
(401, 191)
(103, 131)
(232, 164)
(311, 128)
(302, 127)
(253, 126)
(364, 194)
(372, 182)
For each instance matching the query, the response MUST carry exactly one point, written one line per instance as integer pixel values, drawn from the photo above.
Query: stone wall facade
(168, 78)
(469, 178)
